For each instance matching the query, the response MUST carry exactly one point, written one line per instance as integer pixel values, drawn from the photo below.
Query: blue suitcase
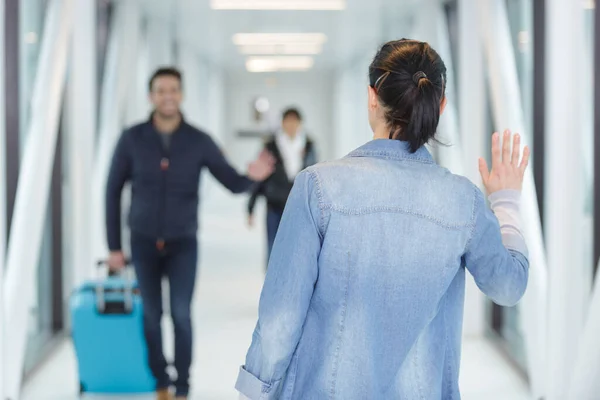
(108, 336)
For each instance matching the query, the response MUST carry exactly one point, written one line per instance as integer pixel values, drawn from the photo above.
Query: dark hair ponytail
(409, 78)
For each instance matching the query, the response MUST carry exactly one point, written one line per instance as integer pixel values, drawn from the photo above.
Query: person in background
(364, 295)
(293, 151)
(163, 158)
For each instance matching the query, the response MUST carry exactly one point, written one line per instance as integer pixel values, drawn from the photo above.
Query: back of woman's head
(409, 79)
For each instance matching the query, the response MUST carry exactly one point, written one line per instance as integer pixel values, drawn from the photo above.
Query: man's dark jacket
(164, 181)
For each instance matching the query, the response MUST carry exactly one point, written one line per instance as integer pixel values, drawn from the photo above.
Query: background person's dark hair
(292, 112)
(411, 101)
(168, 71)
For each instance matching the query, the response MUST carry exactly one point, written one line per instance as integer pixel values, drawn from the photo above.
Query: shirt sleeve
(496, 254)
(119, 174)
(223, 171)
(287, 292)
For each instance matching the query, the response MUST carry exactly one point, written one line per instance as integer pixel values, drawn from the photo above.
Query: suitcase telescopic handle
(127, 290)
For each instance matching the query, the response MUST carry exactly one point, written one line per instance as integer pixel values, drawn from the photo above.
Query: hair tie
(418, 76)
(381, 78)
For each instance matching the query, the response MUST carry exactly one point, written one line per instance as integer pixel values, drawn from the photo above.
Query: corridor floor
(227, 292)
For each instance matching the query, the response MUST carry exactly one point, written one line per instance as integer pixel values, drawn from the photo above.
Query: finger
(506, 147)
(496, 152)
(525, 160)
(516, 151)
(483, 170)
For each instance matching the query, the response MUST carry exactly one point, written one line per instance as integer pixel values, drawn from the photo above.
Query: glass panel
(31, 26)
(504, 321)
(40, 318)
(520, 17)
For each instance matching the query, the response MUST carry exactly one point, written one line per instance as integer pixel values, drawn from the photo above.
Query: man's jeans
(177, 260)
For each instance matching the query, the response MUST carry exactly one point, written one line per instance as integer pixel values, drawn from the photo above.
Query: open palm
(508, 168)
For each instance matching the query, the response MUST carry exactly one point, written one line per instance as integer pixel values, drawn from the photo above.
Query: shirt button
(164, 164)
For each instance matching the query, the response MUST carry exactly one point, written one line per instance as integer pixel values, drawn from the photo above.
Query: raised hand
(508, 168)
(262, 167)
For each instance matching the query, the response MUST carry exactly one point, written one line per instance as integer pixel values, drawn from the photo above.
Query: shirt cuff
(255, 389)
(506, 206)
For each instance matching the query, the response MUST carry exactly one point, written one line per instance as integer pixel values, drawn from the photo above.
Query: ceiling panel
(350, 32)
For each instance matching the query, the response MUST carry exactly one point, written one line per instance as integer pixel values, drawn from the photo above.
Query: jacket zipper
(164, 167)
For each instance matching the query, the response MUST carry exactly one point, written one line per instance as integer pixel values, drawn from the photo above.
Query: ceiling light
(284, 49)
(278, 4)
(247, 39)
(262, 104)
(275, 64)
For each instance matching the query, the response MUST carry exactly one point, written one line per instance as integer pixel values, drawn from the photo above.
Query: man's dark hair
(168, 71)
(292, 112)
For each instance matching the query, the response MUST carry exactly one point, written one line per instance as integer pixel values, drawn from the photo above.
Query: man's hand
(251, 221)
(507, 168)
(116, 261)
(262, 167)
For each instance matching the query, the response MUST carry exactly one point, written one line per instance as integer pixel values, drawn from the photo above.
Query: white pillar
(564, 190)
(195, 86)
(82, 131)
(2, 205)
(161, 42)
(508, 113)
(140, 107)
(472, 123)
(350, 100)
(216, 103)
(117, 83)
(472, 100)
(34, 187)
(584, 383)
(198, 103)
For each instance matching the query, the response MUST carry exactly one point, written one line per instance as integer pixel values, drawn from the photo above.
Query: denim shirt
(364, 293)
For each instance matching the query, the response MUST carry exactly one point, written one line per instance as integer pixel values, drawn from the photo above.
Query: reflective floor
(225, 313)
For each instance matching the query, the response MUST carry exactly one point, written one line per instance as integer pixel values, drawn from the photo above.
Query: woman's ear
(373, 99)
(443, 104)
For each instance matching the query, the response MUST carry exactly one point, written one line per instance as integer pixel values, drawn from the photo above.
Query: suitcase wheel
(81, 388)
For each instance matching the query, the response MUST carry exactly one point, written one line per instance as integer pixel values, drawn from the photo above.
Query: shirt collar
(393, 149)
(299, 138)
(151, 120)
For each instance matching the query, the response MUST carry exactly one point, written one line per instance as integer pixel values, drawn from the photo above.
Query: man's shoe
(163, 394)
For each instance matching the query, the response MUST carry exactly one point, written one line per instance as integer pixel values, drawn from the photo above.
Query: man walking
(163, 158)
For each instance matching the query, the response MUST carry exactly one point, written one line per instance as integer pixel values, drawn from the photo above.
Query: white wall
(311, 92)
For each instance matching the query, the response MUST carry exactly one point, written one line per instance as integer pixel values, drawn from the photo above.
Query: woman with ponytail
(364, 294)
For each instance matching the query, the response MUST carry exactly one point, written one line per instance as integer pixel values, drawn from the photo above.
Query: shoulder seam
(313, 174)
(473, 221)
